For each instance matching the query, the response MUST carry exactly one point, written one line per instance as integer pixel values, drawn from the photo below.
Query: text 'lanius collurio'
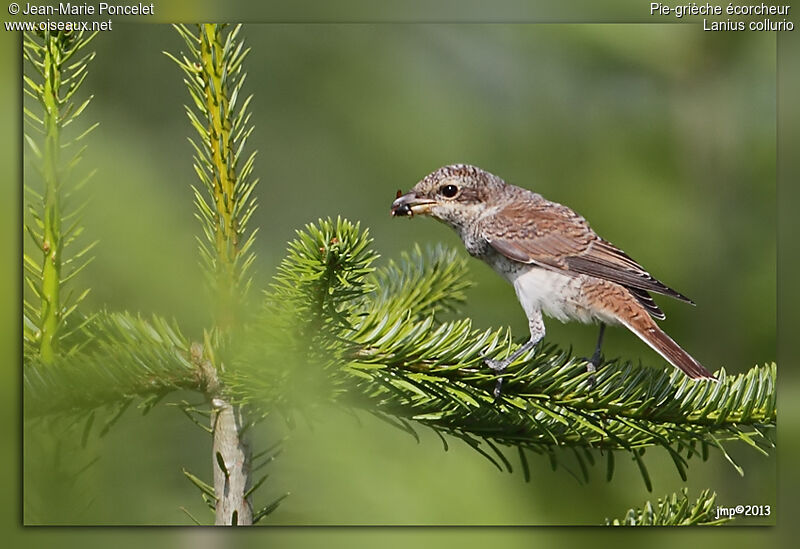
(554, 260)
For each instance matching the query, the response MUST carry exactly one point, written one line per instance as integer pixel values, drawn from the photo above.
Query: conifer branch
(52, 80)
(213, 66)
(128, 357)
(386, 350)
(675, 510)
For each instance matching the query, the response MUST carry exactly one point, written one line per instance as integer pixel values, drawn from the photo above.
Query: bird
(556, 263)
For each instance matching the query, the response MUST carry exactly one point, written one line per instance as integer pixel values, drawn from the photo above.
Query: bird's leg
(500, 365)
(536, 325)
(594, 362)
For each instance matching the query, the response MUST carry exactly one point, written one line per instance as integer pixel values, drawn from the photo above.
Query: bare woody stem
(230, 451)
(232, 467)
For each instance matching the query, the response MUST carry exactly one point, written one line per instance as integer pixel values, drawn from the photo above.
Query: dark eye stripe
(448, 191)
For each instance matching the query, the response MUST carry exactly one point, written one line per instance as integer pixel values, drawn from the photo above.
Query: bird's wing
(553, 236)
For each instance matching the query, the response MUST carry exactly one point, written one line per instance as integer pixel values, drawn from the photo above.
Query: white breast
(557, 295)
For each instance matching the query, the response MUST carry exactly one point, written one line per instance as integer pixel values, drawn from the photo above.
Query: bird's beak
(410, 204)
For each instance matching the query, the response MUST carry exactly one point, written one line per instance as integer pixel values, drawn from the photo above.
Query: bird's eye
(448, 191)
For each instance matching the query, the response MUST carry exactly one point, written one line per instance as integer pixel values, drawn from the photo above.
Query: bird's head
(455, 194)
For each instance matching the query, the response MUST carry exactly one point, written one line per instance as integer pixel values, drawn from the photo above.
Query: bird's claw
(591, 366)
(497, 391)
(498, 366)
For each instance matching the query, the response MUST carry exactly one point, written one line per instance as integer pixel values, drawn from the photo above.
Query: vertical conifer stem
(230, 452)
(231, 456)
(219, 130)
(51, 243)
(232, 466)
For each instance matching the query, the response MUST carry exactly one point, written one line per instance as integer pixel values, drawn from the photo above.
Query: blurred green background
(659, 127)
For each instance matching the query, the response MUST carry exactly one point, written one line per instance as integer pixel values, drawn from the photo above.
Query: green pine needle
(674, 510)
(127, 357)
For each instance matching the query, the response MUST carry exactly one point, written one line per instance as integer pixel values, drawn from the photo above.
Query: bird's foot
(591, 366)
(498, 366)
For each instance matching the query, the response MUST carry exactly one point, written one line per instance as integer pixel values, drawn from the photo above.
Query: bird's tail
(649, 332)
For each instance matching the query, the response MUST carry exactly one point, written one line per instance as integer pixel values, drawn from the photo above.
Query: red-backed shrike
(554, 260)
